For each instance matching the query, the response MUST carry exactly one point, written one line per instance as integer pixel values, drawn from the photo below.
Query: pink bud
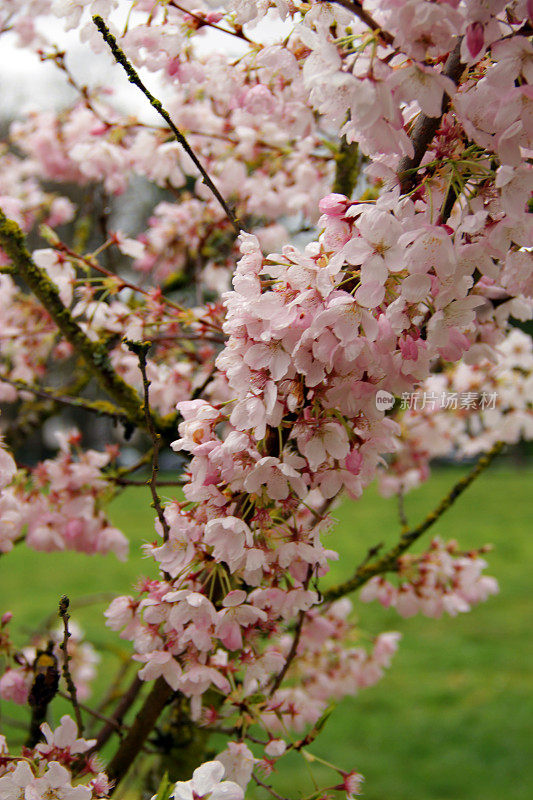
(475, 38)
(334, 205)
(353, 462)
(6, 617)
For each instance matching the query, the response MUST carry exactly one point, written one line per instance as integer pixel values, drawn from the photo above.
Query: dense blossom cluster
(411, 281)
(57, 505)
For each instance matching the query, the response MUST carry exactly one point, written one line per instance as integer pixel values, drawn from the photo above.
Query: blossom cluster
(60, 507)
(464, 430)
(45, 771)
(441, 580)
(411, 280)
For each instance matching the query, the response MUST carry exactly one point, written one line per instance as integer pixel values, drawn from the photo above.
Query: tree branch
(95, 356)
(295, 642)
(348, 163)
(426, 127)
(133, 77)
(141, 728)
(115, 721)
(63, 613)
(141, 349)
(94, 406)
(389, 560)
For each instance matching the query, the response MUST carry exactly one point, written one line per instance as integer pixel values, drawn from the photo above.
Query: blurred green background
(451, 720)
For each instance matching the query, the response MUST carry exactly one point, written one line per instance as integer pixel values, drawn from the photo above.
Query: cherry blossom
(373, 162)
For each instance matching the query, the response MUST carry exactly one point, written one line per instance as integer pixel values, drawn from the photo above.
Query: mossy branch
(388, 561)
(101, 407)
(133, 77)
(94, 354)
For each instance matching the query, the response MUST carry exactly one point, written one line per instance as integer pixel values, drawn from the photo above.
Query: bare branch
(141, 349)
(133, 77)
(63, 613)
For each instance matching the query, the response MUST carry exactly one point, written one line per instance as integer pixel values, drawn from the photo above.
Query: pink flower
(334, 205)
(8, 467)
(234, 615)
(15, 685)
(238, 761)
(160, 664)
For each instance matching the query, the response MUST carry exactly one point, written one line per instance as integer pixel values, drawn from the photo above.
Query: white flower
(238, 761)
(207, 782)
(64, 738)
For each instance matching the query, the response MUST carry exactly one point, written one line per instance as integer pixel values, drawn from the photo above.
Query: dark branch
(141, 349)
(71, 688)
(426, 127)
(141, 728)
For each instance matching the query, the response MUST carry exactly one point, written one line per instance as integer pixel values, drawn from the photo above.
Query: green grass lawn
(451, 720)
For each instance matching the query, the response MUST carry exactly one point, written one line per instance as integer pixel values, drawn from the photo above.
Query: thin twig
(91, 262)
(63, 613)
(239, 33)
(268, 788)
(141, 349)
(126, 482)
(133, 77)
(401, 511)
(295, 642)
(93, 712)
(388, 562)
(126, 701)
